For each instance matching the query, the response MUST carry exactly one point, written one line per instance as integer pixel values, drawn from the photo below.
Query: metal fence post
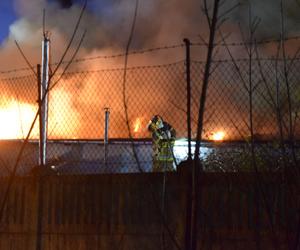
(188, 113)
(41, 161)
(44, 98)
(39, 185)
(107, 112)
(188, 94)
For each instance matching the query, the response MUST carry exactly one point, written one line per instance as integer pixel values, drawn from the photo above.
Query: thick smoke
(158, 23)
(268, 11)
(107, 22)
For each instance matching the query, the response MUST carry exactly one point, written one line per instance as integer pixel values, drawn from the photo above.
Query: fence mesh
(76, 120)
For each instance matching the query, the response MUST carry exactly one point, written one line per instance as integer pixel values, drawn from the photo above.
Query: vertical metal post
(188, 94)
(40, 116)
(188, 116)
(106, 127)
(44, 99)
(39, 181)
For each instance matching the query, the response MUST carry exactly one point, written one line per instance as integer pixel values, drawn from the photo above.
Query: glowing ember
(137, 125)
(16, 119)
(218, 136)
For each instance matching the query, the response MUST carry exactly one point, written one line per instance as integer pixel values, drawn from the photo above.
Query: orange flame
(218, 136)
(137, 125)
(63, 120)
(16, 119)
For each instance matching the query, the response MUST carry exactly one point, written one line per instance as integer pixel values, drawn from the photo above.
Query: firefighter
(163, 139)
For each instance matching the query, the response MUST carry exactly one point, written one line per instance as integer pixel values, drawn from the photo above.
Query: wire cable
(155, 49)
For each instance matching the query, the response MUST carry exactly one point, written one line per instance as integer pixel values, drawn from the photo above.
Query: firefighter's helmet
(155, 123)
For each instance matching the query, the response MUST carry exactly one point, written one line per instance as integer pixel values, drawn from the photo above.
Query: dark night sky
(65, 3)
(8, 16)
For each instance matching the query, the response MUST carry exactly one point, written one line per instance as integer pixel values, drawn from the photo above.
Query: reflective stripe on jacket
(163, 150)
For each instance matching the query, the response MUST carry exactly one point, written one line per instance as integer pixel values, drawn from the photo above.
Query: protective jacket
(163, 139)
(163, 142)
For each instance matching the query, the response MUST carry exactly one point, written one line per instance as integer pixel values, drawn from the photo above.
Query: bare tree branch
(234, 63)
(15, 166)
(293, 60)
(255, 23)
(221, 22)
(70, 62)
(193, 120)
(25, 142)
(228, 11)
(44, 22)
(203, 40)
(206, 13)
(71, 40)
(295, 120)
(227, 35)
(217, 64)
(125, 99)
(197, 167)
(255, 86)
(244, 39)
(288, 90)
(24, 57)
(273, 102)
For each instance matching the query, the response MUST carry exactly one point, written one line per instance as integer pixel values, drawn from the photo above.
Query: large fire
(16, 119)
(63, 119)
(218, 136)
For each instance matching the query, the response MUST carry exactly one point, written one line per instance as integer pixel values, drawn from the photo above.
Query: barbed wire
(109, 69)
(14, 70)
(104, 57)
(265, 41)
(155, 66)
(12, 78)
(246, 60)
(155, 49)
(130, 53)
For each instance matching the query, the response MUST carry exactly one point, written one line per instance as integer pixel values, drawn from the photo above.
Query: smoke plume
(108, 22)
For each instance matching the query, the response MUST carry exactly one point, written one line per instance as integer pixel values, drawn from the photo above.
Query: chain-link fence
(140, 211)
(76, 116)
